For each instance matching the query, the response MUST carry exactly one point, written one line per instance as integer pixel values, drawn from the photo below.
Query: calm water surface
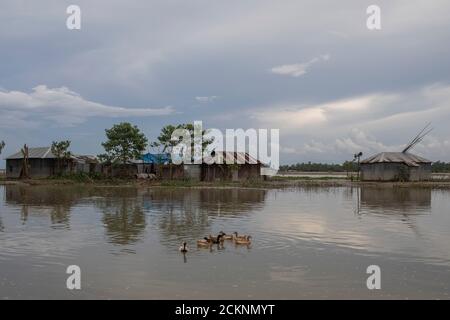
(308, 242)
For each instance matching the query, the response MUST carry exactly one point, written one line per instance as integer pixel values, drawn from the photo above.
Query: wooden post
(24, 172)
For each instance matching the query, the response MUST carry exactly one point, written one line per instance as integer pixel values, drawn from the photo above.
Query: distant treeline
(347, 166)
(440, 167)
(321, 167)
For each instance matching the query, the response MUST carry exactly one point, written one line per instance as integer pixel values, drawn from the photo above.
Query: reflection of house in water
(52, 201)
(125, 212)
(395, 203)
(407, 200)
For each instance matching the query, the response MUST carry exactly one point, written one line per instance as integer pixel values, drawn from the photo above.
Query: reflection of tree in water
(125, 224)
(175, 213)
(2, 227)
(52, 201)
(182, 213)
(123, 217)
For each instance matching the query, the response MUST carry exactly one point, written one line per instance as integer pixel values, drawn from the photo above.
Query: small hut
(395, 166)
(43, 163)
(231, 166)
(398, 166)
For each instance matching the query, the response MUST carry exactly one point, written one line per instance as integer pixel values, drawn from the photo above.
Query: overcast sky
(309, 68)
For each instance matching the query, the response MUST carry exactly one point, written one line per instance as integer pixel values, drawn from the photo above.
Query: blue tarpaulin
(158, 158)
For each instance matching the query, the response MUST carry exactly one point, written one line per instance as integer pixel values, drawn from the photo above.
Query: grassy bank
(272, 182)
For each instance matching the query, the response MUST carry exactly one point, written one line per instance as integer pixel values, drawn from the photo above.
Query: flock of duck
(207, 242)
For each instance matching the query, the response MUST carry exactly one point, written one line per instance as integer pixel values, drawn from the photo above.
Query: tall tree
(60, 150)
(2, 145)
(125, 142)
(165, 141)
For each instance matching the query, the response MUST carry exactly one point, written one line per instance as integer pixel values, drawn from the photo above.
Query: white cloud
(63, 106)
(292, 117)
(296, 118)
(298, 69)
(206, 99)
(371, 124)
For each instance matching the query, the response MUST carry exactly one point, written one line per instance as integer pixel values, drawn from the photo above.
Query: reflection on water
(52, 201)
(398, 200)
(124, 222)
(308, 242)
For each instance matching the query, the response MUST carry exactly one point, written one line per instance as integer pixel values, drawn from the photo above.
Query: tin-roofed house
(231, 166)
(398, 166)
(395, 166)
(42, 164)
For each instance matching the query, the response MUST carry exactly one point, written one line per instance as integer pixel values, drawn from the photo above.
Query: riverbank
(270, 183)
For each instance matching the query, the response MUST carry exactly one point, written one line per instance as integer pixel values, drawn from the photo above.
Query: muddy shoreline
(273, 183)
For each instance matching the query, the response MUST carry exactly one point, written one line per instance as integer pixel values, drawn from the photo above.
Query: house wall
(170, 171)
(421, 173)
(393, 171)
(249, 172)
(39, 168)
(192, 171)
(223, 172)
(120, 170)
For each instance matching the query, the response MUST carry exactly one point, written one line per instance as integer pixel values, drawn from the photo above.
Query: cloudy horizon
(309, 68)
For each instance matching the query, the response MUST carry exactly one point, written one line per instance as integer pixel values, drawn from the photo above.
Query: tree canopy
(2, 145)
(60, 149)
(124, 142)
(165, 142)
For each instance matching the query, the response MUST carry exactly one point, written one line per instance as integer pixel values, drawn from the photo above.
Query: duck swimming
(205, 242)
(183, 248)
(245, 240)
(226, 236)
(216, 240)
(237, 236)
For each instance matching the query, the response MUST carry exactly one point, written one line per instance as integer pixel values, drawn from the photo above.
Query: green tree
(165, 142)
(2, 145)
(60, 150)
(125, 142)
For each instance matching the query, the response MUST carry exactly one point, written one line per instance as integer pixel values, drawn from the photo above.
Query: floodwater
(307, 242)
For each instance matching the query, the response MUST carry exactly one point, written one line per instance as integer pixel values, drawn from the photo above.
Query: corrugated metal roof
(86, 158)
(34, 153)
(409, 159)
(46, 153)
(233, 157)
